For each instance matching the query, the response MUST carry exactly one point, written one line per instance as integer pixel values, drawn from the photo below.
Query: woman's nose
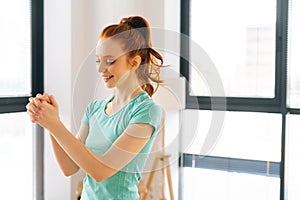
(101, 67)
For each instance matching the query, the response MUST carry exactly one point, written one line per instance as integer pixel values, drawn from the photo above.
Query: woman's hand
(34, 106)
(48, 117)
(43, 109)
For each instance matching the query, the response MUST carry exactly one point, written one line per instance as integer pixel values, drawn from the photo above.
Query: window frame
(272, 105)
(257, 167)
(278, 104)
(17, 104)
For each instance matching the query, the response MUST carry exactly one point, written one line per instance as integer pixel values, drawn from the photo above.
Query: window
(252, 46)
(216, 184)
(243, 164)
(15, 62)
(242, 44)
(294, 60)
(21, 75)
(240, 134)
(239, 37)
(293, 101)
(16, 145)
(292, 155)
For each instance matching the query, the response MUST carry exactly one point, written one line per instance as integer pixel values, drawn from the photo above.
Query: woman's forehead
(109, 47)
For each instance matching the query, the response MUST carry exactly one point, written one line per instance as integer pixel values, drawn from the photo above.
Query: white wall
(71, 32)
(57, 82)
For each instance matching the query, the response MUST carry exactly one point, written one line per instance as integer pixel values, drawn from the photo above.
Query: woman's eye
(107, 62)
(110, 62)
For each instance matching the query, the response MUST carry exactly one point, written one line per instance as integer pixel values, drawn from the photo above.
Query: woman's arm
(122, 151)
(67, 165)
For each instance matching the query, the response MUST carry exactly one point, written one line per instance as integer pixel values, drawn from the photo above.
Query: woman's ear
(135, 62)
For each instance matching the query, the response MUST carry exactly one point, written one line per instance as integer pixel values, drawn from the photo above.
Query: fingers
(34, 109)
(39, 98)
(35, 101)
(33, 117)
(44, 97)
(37, 105)
(33, 105)
(33, 112)
(53, 101)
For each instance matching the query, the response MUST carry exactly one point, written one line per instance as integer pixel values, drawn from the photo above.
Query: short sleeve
(147, 113)
(90, 109)
(86, 116)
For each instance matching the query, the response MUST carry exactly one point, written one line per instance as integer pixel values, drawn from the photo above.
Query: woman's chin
(109, 86)
(109, 83)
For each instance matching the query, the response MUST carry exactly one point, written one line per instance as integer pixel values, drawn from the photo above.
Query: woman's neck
(125, 93)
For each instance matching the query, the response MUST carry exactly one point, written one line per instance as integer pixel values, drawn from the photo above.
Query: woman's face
(112, 63)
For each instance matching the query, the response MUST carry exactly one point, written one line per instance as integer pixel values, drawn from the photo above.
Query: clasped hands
(43, 110)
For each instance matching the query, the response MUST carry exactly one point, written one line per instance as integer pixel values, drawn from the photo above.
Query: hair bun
(135, 22)
(129, 24)
(138, 22)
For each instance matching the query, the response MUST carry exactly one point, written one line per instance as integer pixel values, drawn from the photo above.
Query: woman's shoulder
(144, 102)
(95, 105)
(146, 110)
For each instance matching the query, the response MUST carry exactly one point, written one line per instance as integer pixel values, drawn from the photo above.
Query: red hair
(134, 34)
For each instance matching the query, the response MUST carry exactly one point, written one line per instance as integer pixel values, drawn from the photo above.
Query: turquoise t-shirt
(104, 130)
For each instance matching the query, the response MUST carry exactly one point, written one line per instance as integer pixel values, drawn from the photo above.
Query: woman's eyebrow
(106, 56)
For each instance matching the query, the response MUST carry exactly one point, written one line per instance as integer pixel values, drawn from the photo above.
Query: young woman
(116, 134)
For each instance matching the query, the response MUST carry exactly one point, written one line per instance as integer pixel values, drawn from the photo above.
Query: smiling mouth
(107, 78)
